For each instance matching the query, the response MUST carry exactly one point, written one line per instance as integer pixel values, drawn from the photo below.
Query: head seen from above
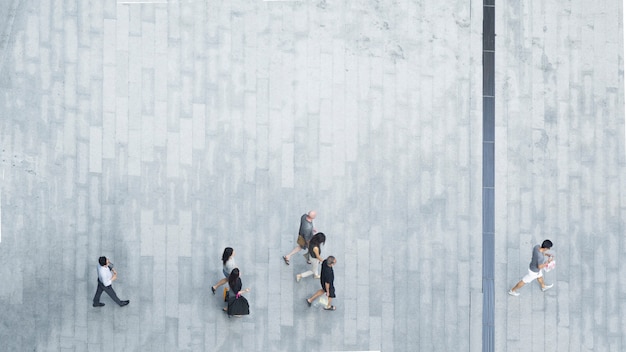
(331, 261)
(317, 240)
(234, 275)
(228, 252)
(547, 244)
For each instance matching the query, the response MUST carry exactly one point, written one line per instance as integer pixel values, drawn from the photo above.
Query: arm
(316, 251)
(239, 288)
(114, 277)
(327, 287)
(541, 266)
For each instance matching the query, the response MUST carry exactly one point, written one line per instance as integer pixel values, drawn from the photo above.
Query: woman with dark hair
(236, 303)
(315, 252)
(228, 264)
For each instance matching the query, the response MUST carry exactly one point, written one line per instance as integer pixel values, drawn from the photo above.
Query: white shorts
(532, 276)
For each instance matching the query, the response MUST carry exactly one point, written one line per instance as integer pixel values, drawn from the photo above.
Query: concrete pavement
(158, 134)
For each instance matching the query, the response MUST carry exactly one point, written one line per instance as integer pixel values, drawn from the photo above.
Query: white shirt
(230, 265)
(105, 275)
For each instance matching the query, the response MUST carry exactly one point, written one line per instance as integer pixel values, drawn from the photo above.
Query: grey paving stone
(158, 134)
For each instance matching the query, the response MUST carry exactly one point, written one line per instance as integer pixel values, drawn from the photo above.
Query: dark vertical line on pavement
(488, 216)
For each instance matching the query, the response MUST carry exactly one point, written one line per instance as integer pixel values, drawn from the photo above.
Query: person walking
(236, 303)
(327, 280)
(106, 276)
(228, 264)
(315, 252)
(305, 234)
(535, 269)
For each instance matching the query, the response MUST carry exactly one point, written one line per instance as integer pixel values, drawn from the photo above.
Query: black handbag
(238, 305)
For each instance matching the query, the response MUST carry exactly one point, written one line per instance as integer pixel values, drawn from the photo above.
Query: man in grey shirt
(535, 268)
(305, 234)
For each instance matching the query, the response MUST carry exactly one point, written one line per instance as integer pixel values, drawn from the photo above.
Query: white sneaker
(547, 287)
(513, 293)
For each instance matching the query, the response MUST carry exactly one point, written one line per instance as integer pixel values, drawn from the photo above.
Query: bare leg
(294, 251)
(540, 281)
(519, 285)
(220, 283)
(315, 295)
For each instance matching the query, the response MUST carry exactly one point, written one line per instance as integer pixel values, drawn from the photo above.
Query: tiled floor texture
(159, 133)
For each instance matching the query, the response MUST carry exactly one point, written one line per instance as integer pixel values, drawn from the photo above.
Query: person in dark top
(327, 281)
(315, 251)
(235, 285)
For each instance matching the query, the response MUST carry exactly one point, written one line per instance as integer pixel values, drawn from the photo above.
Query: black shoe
(98, 305)
(124, 303)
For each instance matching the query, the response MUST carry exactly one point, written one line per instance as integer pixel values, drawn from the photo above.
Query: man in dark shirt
(535, 268)
(327, 280)
(305, 234)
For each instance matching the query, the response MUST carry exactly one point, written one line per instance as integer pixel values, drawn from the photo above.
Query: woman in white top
(228, 262)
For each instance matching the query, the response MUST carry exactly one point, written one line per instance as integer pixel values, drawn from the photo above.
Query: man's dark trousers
(109, 290)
